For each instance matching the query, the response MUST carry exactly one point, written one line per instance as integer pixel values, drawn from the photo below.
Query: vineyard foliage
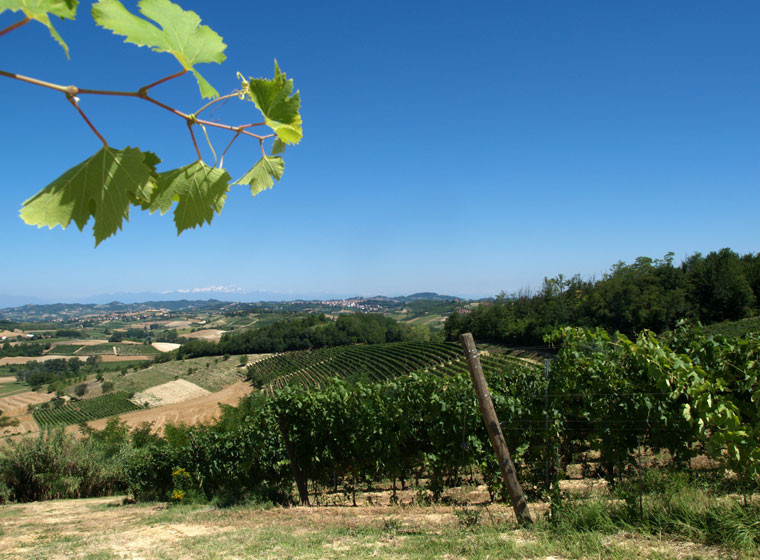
(85, 410)
(607, 394)
(373, 362)
(395, 418)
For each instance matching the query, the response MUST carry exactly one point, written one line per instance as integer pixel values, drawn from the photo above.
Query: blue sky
(459, 148)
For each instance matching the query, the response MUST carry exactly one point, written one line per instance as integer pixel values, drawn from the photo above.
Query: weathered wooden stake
(301, 484)
(508, 473)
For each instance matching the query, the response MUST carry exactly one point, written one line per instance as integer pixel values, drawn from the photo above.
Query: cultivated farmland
(85, 410)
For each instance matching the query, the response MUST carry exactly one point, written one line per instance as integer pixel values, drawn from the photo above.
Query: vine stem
(74, 101)
(221, 159)
(72, 91)
(36, 82)
(15, 26)
(192, 135)
(162, 80)
(217, 100)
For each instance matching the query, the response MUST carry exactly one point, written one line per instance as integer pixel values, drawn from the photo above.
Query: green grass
(65, 349)
(219, 374)
(7, 389)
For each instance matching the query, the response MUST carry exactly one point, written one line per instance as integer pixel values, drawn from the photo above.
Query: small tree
(243, 360)
(80, 390)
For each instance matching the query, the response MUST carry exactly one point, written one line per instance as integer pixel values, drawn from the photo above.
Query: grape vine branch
(105, 185)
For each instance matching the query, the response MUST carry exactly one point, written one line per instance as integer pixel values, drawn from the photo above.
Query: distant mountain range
(72, 310)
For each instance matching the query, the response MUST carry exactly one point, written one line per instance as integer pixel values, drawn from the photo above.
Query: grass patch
(671, 504)
(7, 389)
(210, 373)
(65, 349)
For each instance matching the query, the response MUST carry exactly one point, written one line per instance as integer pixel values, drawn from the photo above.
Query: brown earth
(192, 411)
(83, 342)
(206, 334)
(165, 346)
(176, 391)
(26, 425)
(16, 404)
(45, 358)
(112, 358)
(9, 379)
(177, 324)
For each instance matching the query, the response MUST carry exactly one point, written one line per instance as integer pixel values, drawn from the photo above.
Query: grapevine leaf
(102, 186)
(38, 10)
(180, 34)
(259, 177)
(278, 147)
(199, 190)
(280, 109)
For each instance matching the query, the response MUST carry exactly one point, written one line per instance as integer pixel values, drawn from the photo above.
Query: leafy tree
(112, 181)
(719, 286)
(80, 390)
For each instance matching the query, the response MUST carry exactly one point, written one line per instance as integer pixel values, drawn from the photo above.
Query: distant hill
(74, 311)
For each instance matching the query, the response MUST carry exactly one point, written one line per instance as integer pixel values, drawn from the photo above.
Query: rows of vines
(375, 362)
(84, 410)
(684, 392)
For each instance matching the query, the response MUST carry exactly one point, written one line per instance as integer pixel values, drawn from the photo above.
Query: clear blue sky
(463, 148)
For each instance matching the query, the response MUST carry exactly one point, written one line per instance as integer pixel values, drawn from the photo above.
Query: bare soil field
(83, 342)
(207, 334)
(16, 404)
(26, 425)
(45, 358)
(112, 358)
(192, 411)
(165, 346)
(9, 379)
(177, 324)
(169, 393)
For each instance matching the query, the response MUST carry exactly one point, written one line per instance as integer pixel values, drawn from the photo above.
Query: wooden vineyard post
(508, 473)
(303, 489)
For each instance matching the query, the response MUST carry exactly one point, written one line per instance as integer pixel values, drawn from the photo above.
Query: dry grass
(103, 528)
(169, 393)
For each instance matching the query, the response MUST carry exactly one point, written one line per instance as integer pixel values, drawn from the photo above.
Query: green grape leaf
(278, 147)
(280, 109)
(102, 186)
(38, 10)
(259, 177)
(181, 33)
(198, 189)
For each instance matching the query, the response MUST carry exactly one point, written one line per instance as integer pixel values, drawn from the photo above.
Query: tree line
(647, 294)
(312, 331)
